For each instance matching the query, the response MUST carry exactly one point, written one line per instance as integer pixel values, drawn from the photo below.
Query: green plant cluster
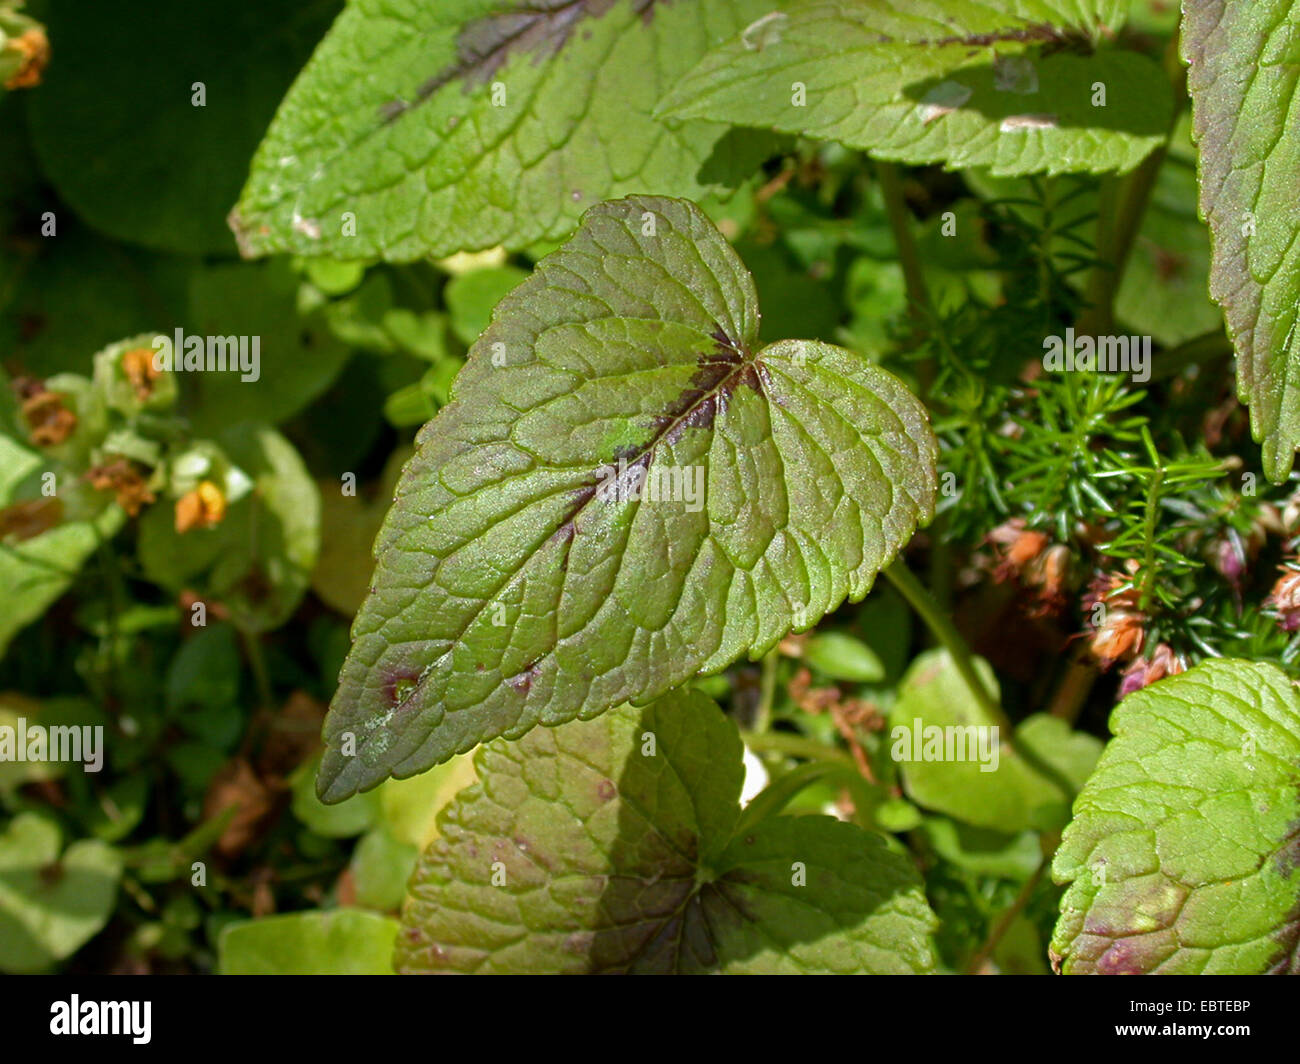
(655, 525)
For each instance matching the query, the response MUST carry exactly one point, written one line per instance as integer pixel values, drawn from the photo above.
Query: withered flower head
(1164, 662)
(123, 478)
(49, 421)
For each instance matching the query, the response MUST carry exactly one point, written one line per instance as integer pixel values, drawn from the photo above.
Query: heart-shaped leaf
(1242, 78)
(955, 760)
(623, 493)
(1183, 853)
(611, 845)
(51, 905)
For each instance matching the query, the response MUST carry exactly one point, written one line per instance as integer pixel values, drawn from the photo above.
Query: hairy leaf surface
(1244, 67)
(1182, 856)
(1013, 87)
(610, 846)
(448, 125)
(623, 493)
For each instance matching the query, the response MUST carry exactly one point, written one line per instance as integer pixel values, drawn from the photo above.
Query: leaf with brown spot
(624, 492)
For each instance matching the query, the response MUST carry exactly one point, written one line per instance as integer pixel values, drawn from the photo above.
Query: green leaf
(342, 820)
(611, 845)
(1183, 851)
(1249, 152)
(842, 657)
(348, 527)
(79, 293)
(36, 571)
(964, 779)
(961, 83)
(471, 296)
(137, 156)
(297, 359)
(381, 866)
(51, 904)
(444, 126)
(516, 586)
(336, 942)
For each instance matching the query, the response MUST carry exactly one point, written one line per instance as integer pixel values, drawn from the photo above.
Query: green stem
(946, 632)
(116, 603)
(767, 693)
(779, 793)
(1150, 515)
(257, 662)
(918, 294)
(1004, 922)
(790, 745)
(1121, 207)
(1209, 347)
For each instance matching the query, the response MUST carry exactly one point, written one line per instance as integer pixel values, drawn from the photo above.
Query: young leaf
(337, 942)
(434, 126)
(1249, 152)
(610, 846)
(1183, 851)
(622, 493)
(956, 83)
(981, 781)
(51, 904)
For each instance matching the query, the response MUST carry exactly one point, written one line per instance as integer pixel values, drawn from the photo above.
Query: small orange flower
(1019, 547)
(138, 366)
(34, 49)
(203, 507)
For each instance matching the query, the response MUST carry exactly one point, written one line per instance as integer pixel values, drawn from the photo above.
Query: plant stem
(116, 600)
(918, 294)
(1072, 692)
(1004, 921)
(946, 632)
(257, 663)
(780, 792)
(796, 746)
(767, 693)
(1209, 347)
(1122, 204)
